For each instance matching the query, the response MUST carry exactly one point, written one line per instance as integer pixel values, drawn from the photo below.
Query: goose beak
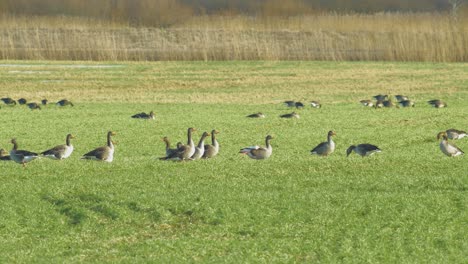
(113, 133)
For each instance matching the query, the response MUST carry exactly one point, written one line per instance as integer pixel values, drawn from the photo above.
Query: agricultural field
(407, 204)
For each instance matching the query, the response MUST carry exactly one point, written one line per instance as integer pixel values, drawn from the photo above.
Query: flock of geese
(190, 151)
(33, 105)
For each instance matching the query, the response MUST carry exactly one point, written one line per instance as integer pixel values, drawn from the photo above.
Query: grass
(334, 37)
(406, 204)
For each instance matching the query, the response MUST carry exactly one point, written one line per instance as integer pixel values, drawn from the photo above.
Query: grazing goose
(367, 103)
(257, 115)
(379, 104)
(299, 105)
(400, 97)
(61, 151)
(21, 156)
(407, 103)
(315, 104)
(33, 106)
(105, 153)
(325, 148)
(455, 134)
(380, 97)
(200, 148)
(44, 101)
(4, 155)
(22, 101)
(8, 101)
(213, 149)
(144, 115)
(389, 103)
(291, 115)
(184, 152)
(257, 152)
(290, 103)
(64, 102)
(437, 103)
(363, 150)
(447, 148)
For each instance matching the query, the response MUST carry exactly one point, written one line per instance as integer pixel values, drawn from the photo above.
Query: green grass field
(407, 204)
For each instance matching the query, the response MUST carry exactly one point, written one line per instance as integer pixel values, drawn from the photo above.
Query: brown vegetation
(383, 36)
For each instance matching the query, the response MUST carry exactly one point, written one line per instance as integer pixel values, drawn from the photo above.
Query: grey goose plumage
(257, 152)
(256, 115)
(8, 101)
(22, 101)
(184, 152)
(363, 149)
(213, 149)
(104, 153)
(291, 115)
(169, 150)
(437, 103)
(200, 148)
(61, 151)
(400, 97)
(448, 148)
(21, 156)
(144, 115)
(290, 103)
(380, 97)
(406, 103)
(325, 148)
(64, 102)
(455, 133)
(33, 106)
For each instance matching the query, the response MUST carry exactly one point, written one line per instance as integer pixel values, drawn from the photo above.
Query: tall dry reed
(385, 36)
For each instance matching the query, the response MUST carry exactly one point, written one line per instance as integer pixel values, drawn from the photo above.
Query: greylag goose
(44, 101)
(437, 103)
(144, 115)
(447, 148)
(380, 97)
(325, 148)
(407, 103)
(363, 149)
(400, 97)
(21, 156)
(61, 151)
(170, 151)
(184, 152)
(291, 115)
(257, 115)
(455, 134)
(200, 148)
(257, 152)
(290, 103)
(213, 149)
(33, 106)
(105, 153)
(4, 155)
(8, 101)
(22, 101)
(367, 103)
(379, 104)
(315, 104)
(389, 103)
(64, 102)
(299, 105)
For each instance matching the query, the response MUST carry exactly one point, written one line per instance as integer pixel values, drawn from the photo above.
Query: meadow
(407, 204)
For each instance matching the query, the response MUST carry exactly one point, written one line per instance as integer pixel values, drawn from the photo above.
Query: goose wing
(101, 153)
(56, 151)
(320, 148)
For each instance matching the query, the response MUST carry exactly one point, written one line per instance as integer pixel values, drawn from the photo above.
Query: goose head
(442, 135)
(331, 133)
(349, 150)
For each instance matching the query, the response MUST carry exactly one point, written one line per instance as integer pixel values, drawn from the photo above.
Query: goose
(389, 103)
(105, 153)
(257, 152)
(455, 134)
(21, 156)
(213, 149)
(380, 97)
(44, 101)
(33, 106)
(169, 151)
(64, 102)
(291, 115)
(4, 155)
(437, 103)
(200, 148)
(184, 152)
(379, 104)
(290, 103)
(400, 97)
(363, 150)
(315, 104)
(256, 115)
(144, 115)
(367, 103)
(325, 148)
(447, 148)
(407, 103)
(299, 105)
(8, 101)
(61, 151)
(22, 101)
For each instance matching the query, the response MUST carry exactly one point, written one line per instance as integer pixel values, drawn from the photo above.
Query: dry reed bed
(397, 37)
